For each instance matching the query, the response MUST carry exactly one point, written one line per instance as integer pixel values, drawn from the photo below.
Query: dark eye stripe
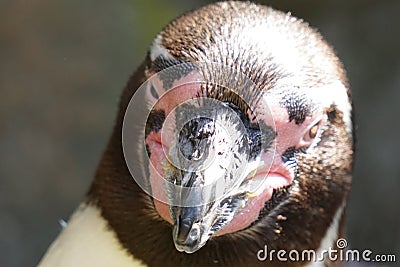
(288, 157)
(168, 77)
(297, 104)
(335, 116)
(154, 121)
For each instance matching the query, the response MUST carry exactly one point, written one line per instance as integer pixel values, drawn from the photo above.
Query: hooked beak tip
(187, 235)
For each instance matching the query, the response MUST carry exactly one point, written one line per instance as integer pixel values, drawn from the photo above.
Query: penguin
(233, 137)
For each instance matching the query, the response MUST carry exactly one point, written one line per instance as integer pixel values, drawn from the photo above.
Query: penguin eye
(153, 92)
(313, 131)
(310, 134)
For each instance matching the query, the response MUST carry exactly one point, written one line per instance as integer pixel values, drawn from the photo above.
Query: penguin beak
(192, 224)
(202, 212)
(212, 183)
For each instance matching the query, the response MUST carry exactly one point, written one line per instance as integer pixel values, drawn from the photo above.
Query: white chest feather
(330, 237)
(87, 241)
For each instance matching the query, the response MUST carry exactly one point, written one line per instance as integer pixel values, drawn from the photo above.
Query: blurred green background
(64, 63)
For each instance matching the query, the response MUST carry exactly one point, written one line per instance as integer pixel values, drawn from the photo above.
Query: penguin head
(248, 129)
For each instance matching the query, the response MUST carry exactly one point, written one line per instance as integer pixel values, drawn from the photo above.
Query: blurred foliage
(64, 63)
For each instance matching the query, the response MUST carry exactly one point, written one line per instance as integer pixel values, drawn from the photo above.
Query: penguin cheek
(248, 215)
(156, 162)
(163, 210)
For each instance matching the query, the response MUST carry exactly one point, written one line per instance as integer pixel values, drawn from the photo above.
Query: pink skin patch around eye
(277, 176)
